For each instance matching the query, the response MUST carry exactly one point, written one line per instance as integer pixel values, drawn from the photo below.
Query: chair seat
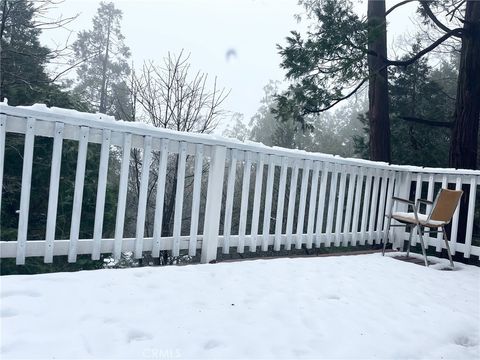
(409, 218)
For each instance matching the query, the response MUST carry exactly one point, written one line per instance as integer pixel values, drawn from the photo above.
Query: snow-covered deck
(364, 306)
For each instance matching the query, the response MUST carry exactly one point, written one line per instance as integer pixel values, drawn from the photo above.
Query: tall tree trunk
(2, 56)
(103, 91)
(464, 142)
(378, 82)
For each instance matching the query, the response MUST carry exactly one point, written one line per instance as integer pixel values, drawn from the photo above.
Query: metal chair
(440, 215)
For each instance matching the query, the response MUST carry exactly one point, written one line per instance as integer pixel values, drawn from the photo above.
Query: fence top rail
(102, 121)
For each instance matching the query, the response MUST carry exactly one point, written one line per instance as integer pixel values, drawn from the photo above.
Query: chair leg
(420, 234)
(410, 240)
(385, 241)
(447, 246)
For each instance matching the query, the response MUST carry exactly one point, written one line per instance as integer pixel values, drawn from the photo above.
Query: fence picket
(381, 206)
(53, 192)
(366, 206)
(247, 169)
(312, 204)
(440, 234)
(357, 206)
(431, 186)
(404, 192)
(331, 205)
(3, 125)
(454, 232)
(340, 205)
(418, 195)
(78, 194)
(256, 202)
(348, 210)
(101, 190)
(177, 220)
(291, 206)
(25, 191)
(122, 196)
(470, 217)
(321, 204)
(388, 206)
(302, 204)
(227, 225)
(373, 207)
(160, 197)
(280, 205)
(197, 184)
(142, 198)
(268, 203)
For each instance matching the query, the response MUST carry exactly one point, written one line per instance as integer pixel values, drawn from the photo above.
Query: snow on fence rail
(238, 197)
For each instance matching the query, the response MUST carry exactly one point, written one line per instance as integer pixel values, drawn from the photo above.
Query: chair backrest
(445, 204)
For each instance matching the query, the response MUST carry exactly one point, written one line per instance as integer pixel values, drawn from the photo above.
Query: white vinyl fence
(240, 196)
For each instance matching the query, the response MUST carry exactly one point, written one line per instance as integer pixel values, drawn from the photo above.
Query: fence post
(470, 217)
(214, 204)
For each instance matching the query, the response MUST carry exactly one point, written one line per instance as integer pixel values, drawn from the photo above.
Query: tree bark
(378, 82)
(464, 141)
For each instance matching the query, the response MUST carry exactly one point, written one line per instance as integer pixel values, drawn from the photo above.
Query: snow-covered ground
(365, 306)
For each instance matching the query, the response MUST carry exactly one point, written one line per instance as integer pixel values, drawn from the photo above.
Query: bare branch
(439, 41)
(172, 99)
(436, 123)
(69, 68)
(455, 9)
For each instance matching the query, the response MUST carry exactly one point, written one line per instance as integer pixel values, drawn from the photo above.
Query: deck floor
(305, 308)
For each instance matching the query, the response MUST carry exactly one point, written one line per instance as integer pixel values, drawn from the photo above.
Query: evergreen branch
(24, 53)
(446, 124)
(432, 16)
(397, 5)
(335, 101)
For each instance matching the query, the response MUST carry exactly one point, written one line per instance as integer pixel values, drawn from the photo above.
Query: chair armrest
(394, 198)
(417, 207)
(425, 201)
(406, 201)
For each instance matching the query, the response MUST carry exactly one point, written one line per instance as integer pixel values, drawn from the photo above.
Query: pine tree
(416, 96)
(104, 70)
(23, 59)
(422, 104)
(329, 64)
(24, 81)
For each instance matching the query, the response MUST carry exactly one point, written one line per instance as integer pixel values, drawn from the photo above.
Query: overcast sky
(209, 29)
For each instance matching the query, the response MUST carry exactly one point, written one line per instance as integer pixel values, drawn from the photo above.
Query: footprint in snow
(212, 344)
(28, 293)
(8, 312)
(465, 341)
(299, 352)
(333, 297)
(138, 335)
(109, 320)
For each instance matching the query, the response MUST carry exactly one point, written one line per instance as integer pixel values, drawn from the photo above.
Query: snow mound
(365, 306)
